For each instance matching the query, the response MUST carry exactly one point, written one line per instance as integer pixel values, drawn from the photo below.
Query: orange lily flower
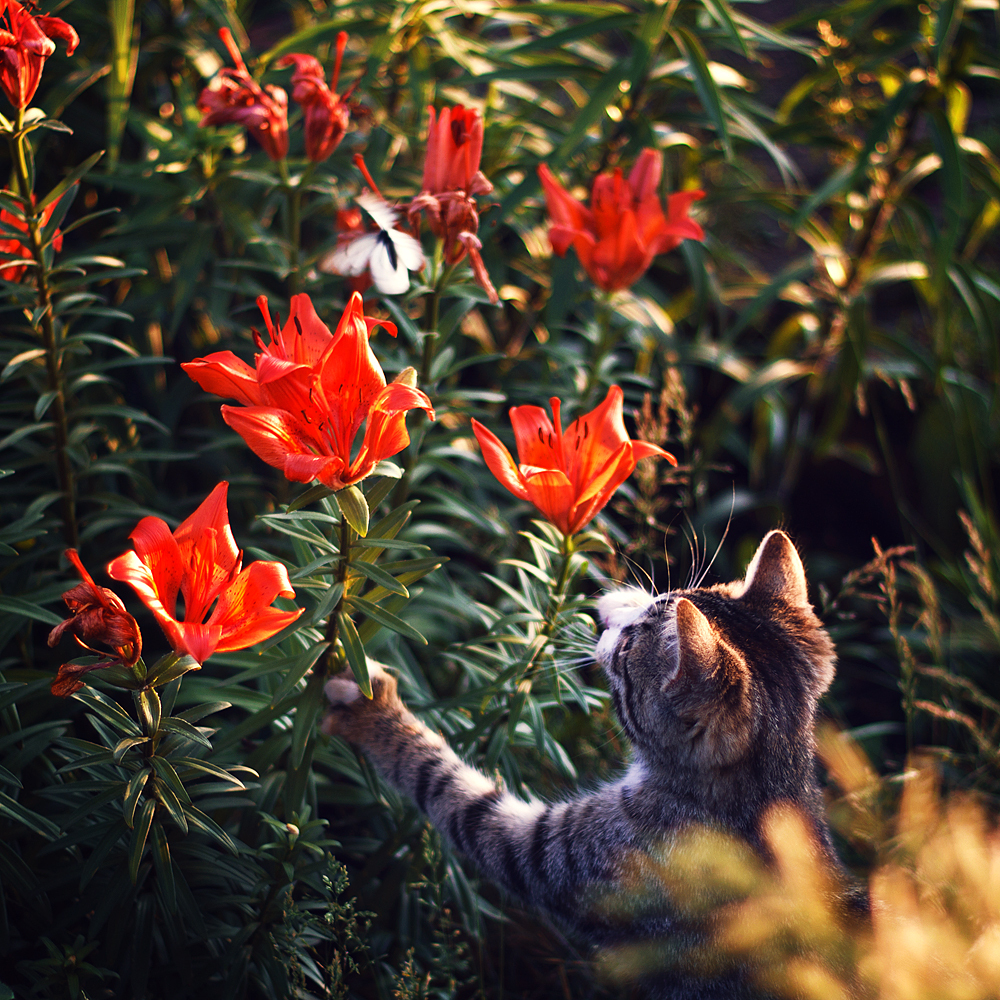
(292, 351)
(568, 475)
(200, 561)
(452, 179)
(327, 115)
(302, 413)
(97, 615)
(234, 97)
(617, 238)
(25, 44)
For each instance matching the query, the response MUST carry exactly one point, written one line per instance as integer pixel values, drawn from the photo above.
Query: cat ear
(776, 573)
(697, 646)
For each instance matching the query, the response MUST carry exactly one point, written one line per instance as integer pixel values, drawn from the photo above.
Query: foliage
(826, 359)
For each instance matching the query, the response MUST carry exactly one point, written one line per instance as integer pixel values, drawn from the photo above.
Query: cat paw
(351, 713)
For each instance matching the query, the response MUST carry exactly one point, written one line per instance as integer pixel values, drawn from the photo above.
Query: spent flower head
(234, 97)
(25, 43)
(97, 616)
(327, 114)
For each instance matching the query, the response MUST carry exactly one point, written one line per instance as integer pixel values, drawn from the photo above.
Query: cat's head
(705, 677)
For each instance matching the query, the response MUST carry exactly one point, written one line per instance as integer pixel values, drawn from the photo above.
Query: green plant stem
(556, 601)
(293, 223)
(45, 323)
(334, 661)
(440, 276)
(602, 348)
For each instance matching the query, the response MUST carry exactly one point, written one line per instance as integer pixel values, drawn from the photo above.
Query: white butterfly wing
(382, 212)
(351, 258)
(388, 270)
(408, 250)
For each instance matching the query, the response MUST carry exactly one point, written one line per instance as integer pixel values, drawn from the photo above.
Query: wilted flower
(25, 44)
(200, 561)
(327, 115)
(97, 616)
(15, 248)
(569, 476)
(302, 414)
(234, 97)
(617, 238)
(452, 179)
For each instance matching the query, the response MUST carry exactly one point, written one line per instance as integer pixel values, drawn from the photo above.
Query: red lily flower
(25, 44)
(326, 114)
(16, 248)
(302, 414)
(200, 561)
(234, 97)
(97, 615)
(617, 238)
(569, 476)
(452, 179)
(296, 348)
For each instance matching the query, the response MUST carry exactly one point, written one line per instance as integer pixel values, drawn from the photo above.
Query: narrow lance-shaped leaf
(139, 834)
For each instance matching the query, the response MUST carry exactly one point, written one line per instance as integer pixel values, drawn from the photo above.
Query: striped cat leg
(546, 854)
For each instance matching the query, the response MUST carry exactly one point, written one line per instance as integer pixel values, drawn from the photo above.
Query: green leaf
(166, 773)
(354, 507)
(67, 182)
(13, 809)
(355, 652)
(124, 56)
(704, 85)
(27, 609)
(385, 618)
(101, 850)
(309, 706)
(302, 666)
(139, 834)
(183, 728)
(200, 821)
(164, 868)
(171, 803)
(20, 359)
(328, 602)
(379, 576)
(169, 668)
(194, 764)
(311, 495)
(110, 711)
(147, 704)
(126, 744)
(132, 792)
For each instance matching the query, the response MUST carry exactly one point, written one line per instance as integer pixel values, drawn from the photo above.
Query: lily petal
(224, 374)
(499, 462)
(243, 614)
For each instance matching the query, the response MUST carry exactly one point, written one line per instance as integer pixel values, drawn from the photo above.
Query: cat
(716, 688)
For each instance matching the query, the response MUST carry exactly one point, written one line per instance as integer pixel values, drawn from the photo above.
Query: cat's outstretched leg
(548, 854)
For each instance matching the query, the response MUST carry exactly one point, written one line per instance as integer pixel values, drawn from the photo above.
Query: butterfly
(387, 254)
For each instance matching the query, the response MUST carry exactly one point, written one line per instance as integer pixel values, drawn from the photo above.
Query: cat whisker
(718, 548)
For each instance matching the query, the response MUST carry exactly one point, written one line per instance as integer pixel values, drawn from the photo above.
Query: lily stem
(334, 661)
(556, 601)
(602, 347)
(293, 221)
(440, 276)
(44, 322)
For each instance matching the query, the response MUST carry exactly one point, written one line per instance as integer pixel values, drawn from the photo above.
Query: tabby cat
(715, 687)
